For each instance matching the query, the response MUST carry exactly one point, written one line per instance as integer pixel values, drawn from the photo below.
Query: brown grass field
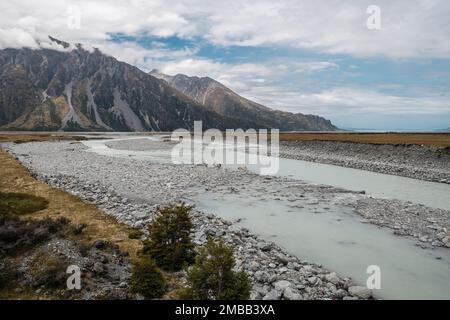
(429, 139)
(16, 178)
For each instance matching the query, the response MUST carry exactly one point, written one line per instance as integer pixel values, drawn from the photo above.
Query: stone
(254, 266)
(292, 294)
(272, 295)
(360, 292)
(282, 285)
(98, 268)
(332, 277)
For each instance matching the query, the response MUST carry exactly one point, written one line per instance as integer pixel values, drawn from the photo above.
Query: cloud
(325, 31)
(341, 101)
(409, 29)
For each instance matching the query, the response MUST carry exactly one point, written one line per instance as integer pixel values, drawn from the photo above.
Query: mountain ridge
(68, 87)
(221, 99)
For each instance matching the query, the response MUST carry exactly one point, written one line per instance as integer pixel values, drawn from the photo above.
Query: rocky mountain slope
(72, 88)
(75, 89)
(215, 96)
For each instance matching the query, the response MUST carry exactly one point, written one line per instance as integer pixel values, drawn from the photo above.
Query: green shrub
(147, 280)
(212, 276)
(169, 242)
(19, 203)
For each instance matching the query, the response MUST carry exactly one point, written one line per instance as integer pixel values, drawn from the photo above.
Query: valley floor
(130, 190)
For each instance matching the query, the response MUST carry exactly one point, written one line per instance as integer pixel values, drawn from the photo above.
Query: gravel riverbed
(131, 191)
(413, 161)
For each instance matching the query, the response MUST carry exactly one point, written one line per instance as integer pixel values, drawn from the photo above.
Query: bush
(48, 269)
(169, 242)
(19, 203)
(135, 234)
(147, 280)
(7, 274)
(212, 276)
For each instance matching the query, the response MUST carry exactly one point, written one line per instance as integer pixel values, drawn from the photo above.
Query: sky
(386, 68)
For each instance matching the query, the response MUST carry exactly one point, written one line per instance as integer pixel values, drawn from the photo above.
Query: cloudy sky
(314, 57)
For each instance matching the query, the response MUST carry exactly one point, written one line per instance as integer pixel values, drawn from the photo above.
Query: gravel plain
(413, 161)
(131, 191)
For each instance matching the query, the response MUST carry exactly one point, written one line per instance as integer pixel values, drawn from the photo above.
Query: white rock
(272, 295)
(282, 285)
(292, 294)
(360, 292)
(332, 277)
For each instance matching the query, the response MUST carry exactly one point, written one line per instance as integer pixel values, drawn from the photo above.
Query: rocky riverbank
(413, 161)
(131, 190)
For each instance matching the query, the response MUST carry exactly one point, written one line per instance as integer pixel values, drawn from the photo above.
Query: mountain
(217, 97)
(73, 88)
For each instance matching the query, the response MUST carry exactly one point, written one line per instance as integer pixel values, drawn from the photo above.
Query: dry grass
(15, 178)
(429, 139)
(37, 137)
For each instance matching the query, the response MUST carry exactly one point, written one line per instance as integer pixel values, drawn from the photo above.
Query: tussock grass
(20, 203)
(429, 139)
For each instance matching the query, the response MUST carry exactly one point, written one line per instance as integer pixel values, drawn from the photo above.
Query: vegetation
(212, 276)
(169, 242)
(19, 203)
(23, 236)
(135, 234)
(147, 280)
(6, 274)
(48, 270)
(430, 139)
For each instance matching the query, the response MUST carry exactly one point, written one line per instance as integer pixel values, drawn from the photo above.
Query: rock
(265, 247)
(261, 276)
(339, 294)
(332, 277)
(254, 266)
(99, 244)
(312, 280)
(272, 295)
(360, 292)
(98, 268)
(292, 294)
(282, 285)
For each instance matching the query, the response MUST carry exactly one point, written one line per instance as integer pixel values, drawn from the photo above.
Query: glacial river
(336, 237)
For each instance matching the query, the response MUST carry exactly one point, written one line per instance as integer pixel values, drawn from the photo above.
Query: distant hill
(218, 98)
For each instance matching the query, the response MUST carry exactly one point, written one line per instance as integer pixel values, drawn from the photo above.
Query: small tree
(147, 280)
(212, 276)
(169, 242)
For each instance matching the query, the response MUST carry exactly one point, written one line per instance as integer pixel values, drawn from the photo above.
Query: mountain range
(217, 97)
(78, 89)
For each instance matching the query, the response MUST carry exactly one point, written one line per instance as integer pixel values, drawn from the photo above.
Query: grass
(19, 203)
(37, 137)
(441, 140)
(15, 179)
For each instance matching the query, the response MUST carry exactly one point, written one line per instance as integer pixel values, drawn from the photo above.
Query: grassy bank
(428, 139)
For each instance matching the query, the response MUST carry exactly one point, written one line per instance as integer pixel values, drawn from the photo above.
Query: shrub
(135, 234)
(147, 280)
(7, 274)
(20, 203)
(212, 276)
(169, 242)
(48, 269)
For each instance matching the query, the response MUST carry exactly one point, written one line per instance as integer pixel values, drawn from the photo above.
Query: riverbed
(305, 209)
